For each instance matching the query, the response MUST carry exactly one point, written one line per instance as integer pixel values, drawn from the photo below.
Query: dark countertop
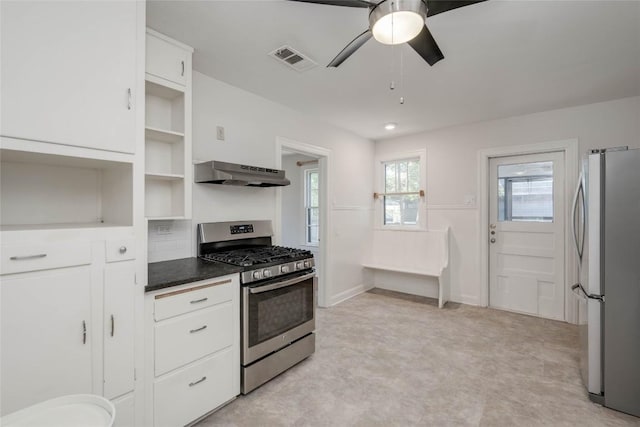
(186, 270)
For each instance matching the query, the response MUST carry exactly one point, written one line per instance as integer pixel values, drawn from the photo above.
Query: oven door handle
(290, 282)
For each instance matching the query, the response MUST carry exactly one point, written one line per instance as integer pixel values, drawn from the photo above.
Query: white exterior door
(526, 234)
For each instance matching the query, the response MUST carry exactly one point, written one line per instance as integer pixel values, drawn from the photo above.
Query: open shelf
(162, 135)
(164, 109)
(48, 191)
(164, 176)
(164, 197)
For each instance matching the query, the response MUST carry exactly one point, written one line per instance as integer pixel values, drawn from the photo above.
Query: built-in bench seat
(424, 253)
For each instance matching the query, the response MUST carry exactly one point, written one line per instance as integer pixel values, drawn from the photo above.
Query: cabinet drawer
(183, 301)
(183, 339)
(166, 60)
(18, 259)
(120, 250)
(189, 393)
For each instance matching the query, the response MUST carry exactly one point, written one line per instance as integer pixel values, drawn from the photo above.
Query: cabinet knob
(122, 249)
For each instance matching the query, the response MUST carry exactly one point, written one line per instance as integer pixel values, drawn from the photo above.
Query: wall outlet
(163, 229)
(220, 133)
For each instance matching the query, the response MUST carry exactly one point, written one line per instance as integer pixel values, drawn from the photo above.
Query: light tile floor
(385, 359)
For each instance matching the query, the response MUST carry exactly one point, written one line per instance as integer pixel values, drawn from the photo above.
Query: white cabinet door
(166, 60)
(125, 411)
(119, 324)
(46, 336)
(69, 72)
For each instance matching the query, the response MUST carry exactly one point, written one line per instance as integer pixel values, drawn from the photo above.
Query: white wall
(252, 125)
(452, 169)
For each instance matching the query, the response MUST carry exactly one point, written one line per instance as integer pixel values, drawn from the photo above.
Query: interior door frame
(570, 147)
(324, 163)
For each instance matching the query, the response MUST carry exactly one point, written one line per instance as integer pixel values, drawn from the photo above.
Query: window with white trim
(400, 197)
(311, 206)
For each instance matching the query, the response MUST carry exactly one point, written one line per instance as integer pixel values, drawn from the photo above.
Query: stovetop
(248, 257)
(264, 262)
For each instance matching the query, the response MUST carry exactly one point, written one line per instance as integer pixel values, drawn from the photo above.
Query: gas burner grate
(257, 256)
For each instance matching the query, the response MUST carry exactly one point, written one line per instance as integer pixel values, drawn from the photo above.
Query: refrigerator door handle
(589, 296)
(579, 245)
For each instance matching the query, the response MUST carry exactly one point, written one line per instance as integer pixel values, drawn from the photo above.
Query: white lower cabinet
(193, 350)
(187, 394)
(125, 411)
(119, 297)
(67, 319)
(46, 336)
(186, 338)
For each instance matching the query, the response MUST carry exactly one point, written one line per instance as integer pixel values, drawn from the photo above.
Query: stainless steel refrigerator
(606, 228)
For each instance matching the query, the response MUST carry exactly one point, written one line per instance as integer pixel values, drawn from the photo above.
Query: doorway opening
(301, 208)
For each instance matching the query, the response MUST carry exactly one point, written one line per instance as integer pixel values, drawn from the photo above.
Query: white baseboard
(469, 300)
(349, 293)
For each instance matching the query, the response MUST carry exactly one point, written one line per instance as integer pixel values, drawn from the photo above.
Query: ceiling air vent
(292, 58)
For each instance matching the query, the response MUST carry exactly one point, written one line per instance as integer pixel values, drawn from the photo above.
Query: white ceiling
(502, 58)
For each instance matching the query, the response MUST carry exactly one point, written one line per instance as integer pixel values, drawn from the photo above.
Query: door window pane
(525, 192)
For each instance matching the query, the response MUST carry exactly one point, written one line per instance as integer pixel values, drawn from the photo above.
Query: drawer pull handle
(199, 300)
(122, 249)
(182, 73)
(197, 382)
(128, 98)
(113, 325)
(20, 258)
(84, 332)
(202, 328)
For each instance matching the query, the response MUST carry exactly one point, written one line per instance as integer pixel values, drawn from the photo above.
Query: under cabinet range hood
(215, 172)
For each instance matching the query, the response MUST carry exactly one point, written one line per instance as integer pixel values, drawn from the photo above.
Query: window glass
(525, 192)
(402, 183)
(312, 210)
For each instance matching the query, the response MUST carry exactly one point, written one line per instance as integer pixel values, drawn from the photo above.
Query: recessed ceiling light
(390, 126)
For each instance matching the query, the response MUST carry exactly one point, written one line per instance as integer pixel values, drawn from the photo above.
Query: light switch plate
(220, 133)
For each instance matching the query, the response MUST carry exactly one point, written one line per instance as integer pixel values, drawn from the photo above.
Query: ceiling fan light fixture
(397, 21)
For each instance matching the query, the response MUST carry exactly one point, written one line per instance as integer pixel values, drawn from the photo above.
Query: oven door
(277, 313)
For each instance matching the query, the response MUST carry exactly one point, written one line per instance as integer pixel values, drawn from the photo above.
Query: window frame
(380, 162)
(306, 206)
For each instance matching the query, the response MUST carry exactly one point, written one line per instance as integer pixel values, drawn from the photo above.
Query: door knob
(492, 226)
(493, 240)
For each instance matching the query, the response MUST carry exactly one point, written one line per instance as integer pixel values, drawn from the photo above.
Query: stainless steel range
(278, 296)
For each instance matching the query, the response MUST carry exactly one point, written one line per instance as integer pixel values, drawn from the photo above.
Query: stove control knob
(266, 272)
(307, 264)
(257, 275)
(284, 269)
(299, 265)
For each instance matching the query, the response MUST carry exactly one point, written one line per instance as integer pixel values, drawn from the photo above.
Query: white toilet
(77, 410)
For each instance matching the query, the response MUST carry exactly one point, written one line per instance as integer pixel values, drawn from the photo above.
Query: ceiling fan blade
(348, 3)
(351, 48)
(435, 7)
(426, 46)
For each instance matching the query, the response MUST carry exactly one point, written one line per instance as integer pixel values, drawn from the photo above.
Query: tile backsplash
(170, 239)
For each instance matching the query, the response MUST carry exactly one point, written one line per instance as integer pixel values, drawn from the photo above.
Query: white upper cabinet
(69, 73)
(166, 59)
